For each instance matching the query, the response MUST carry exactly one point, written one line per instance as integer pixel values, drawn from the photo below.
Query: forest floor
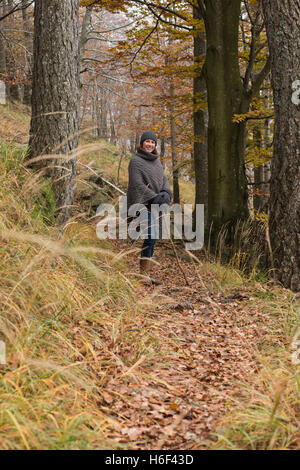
(212, 336)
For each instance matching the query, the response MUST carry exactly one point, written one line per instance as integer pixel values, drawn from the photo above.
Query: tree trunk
(113, 137)
(55, 95)
(132, 146)
(227, 185)
(163, 151)
(86, 22)
(283, 32)
(28, 57)
(83, 104)
(97, 112)
(267, 169)
(12, 88)
(258, 172)
(2, 47)
(94, 109)
(200, 126)
(175, 171)
(101, 112)
(138, 127)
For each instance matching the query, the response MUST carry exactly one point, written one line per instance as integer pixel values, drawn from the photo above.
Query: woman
(147, 185)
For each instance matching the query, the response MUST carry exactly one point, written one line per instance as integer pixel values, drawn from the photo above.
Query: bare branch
(18, 7)
(168, 22)
(146, 38)
(115, 79)
(115, 29)
(161, 7)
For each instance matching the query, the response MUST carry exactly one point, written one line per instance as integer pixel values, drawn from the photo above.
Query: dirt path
(175, 400)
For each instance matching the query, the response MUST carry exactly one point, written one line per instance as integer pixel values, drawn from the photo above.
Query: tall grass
(264, 412)
(66, 309)
(247, 251)
(72, 324)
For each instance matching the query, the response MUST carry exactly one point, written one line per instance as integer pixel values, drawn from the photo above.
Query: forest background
(218, 81)
(198, 74)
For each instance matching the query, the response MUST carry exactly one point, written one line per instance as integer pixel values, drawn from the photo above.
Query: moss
(44, 206)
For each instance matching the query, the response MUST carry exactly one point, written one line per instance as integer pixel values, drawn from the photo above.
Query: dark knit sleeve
(140, 192)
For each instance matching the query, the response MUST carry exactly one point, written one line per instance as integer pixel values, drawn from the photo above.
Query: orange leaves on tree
(109, 5)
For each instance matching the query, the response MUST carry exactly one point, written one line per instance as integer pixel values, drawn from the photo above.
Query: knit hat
(148, 135)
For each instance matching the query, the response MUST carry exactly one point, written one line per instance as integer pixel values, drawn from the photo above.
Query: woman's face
(148, 145)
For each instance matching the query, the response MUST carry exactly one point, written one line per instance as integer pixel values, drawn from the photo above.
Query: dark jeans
(149, 242)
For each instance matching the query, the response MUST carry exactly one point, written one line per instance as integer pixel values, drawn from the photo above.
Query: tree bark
(200, 126)
(2, 48)
(55, 95)
(227, 185)
(283, 32)
(258, 172)
(113, 137)
(175, 171)
(12, 88)
(28, 57)
(138, 127)
(267, 169)
(86, 22)
(163, 151)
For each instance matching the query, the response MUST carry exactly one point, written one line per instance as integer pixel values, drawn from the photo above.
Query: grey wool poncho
(146, 178)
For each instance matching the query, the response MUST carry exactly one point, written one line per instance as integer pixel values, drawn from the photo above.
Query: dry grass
(14, 123)
(105, 157)
(66, 309)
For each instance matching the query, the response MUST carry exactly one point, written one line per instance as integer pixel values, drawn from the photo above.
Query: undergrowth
(66, 309)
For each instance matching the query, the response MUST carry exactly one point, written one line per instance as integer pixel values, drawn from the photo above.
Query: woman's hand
(162, 198)
(166, 197)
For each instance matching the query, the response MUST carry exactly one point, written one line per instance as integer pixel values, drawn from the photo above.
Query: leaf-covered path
(172, 396)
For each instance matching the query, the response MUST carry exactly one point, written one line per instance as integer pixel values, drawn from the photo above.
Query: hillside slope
(96, 360)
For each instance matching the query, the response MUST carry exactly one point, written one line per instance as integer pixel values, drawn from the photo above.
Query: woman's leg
(147, 251)
(149, 242)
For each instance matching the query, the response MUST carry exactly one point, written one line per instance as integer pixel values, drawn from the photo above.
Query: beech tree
(55, 95)
(200, 122)
(283, 32)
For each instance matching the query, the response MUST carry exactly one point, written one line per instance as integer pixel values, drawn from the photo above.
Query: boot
(145, 269)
